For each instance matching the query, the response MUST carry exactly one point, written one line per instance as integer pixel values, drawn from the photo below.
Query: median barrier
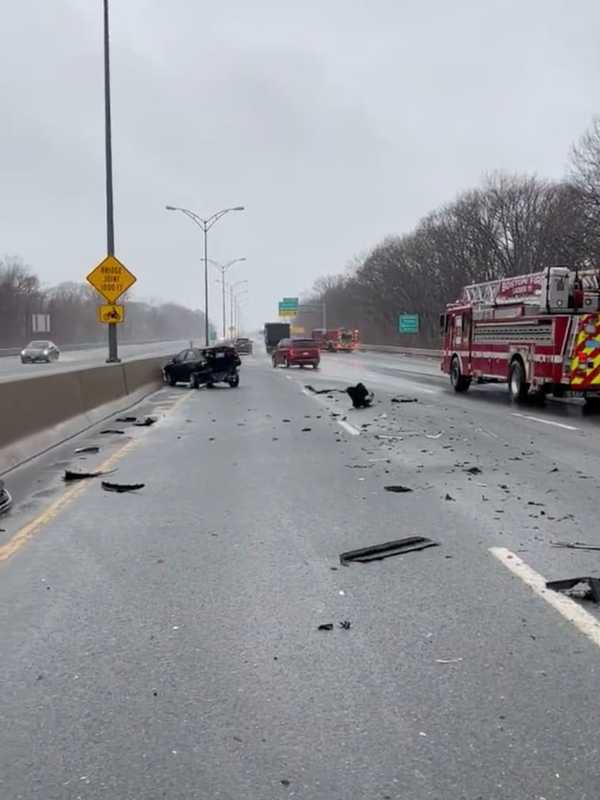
(39, 412)
(408, 351)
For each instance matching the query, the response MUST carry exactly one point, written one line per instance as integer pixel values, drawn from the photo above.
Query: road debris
(306, 430)
(286, 420)
(321, 391)
(125, 419)
(361, 397)
(90, 449)
(345, 624)
(377, 552)
(398, 488)
(579, 588)
(576, 545)
(357, 466)
(450, 498)
(121, 487)
(404, 400)
(434, 435)
(73, 475)
(146, 422)
(473, 471)
(326, 626)
(112, 430)
(5, 498)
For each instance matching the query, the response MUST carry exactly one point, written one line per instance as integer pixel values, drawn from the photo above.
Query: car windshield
(267, 530)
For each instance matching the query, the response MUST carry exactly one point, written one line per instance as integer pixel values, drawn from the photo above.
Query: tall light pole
(232, 289)
(223, 269)
(113, 354)
(206, 225)
(237, 310)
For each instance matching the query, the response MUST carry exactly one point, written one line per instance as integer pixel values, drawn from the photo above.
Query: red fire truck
(539, 332)
(340, 340)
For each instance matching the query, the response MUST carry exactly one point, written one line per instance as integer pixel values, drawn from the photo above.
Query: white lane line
(547, 422)
(585, 622)
(347, 427)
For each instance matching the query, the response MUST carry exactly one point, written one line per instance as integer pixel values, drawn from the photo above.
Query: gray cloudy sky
(335, 122)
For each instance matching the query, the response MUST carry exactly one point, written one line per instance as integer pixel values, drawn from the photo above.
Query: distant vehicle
(318, 335)
(40, 350)
(341, 340)
(274, 333)
(296, 352)
(243, 346)
(181, 367)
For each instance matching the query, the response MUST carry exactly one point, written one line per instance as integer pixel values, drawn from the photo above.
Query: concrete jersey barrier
(39, 412)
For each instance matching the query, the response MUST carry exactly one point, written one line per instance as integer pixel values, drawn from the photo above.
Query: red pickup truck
(296, 352)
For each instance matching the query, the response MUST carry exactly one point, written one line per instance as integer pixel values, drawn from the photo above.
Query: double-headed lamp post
(239, 295)
(223, 269)
(206, 225)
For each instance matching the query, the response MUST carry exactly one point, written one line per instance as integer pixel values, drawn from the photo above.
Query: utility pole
(113, 354)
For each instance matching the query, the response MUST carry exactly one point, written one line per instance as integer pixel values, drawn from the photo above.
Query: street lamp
(232, 297)
(237, 297)
(206, 225)
(223, 268)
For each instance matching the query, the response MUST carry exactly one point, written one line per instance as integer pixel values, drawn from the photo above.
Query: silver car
(40, 350)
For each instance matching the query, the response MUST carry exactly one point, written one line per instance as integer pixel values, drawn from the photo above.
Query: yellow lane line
(29, 530)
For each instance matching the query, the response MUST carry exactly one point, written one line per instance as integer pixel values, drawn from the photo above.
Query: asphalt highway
(165, 643)
(11, 367)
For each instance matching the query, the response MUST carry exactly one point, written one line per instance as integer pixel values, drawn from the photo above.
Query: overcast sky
(335, 122)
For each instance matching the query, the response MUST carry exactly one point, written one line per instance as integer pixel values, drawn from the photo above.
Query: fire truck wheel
(458, 380)
(518, 387)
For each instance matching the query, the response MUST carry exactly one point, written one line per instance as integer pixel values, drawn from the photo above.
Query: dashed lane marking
(585, 622)
(547, 422)
(348, 427)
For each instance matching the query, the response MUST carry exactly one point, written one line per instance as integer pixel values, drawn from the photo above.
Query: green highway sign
(289, 301)
(408, 323)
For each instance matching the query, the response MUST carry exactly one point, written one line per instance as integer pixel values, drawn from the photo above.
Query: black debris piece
(285, 782)
(90, 449)
(473, 471)
(306, 430)
(326, 626)
(121, 487)
(449, 497)
(112, 430)
(554, 469)
(345, 624)
(125, 419)
(580, 588)
(576, 545)
(5, 498)
(322, 391)
(404, 400)
(361, 397)
(357, 466)
(73, 475)
(377, 552)
(286, 420)
(146, 422)
(397, 488)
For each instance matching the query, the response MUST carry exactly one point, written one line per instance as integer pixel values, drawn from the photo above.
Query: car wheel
(194, 382)
(460, 383)
(171, 380)
(210, 385)
(518, 388)
(286, 363)
(235, 382)
(274, 363)
(315, 366)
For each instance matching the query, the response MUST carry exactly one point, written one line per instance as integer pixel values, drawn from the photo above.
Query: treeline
(72, 310)
(510, 225)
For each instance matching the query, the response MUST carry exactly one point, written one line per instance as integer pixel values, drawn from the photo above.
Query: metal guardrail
(408, 351)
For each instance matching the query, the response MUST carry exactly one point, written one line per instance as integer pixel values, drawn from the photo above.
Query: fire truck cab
(539, 333)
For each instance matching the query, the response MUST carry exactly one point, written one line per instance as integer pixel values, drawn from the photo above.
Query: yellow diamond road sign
(111, 313)
(111, 278)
